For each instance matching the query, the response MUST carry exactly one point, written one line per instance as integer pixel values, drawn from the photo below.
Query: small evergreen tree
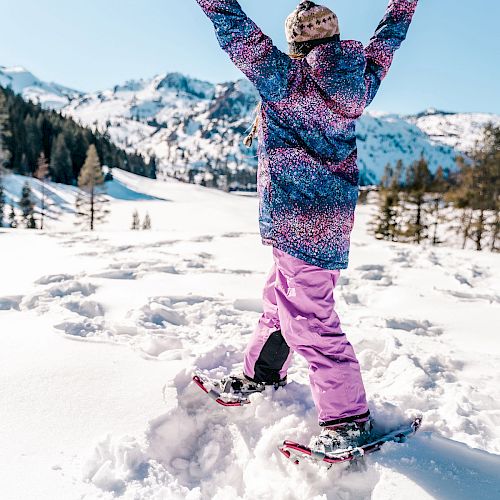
(31, 222)
(386, 223)
(91, 202)
(12, 217)
(136, 223)
(27, 207)
(41, 173)
(146, 225)
(417, 185)
(439, 187)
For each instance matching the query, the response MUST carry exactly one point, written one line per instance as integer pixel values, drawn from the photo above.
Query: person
(308, 181)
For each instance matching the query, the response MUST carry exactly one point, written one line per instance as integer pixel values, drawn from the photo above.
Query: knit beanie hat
(310, 22)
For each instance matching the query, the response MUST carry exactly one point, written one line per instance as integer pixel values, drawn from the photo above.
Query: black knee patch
(271, 360)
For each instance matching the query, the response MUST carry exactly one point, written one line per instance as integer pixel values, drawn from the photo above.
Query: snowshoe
(232, 390)
(346, 444)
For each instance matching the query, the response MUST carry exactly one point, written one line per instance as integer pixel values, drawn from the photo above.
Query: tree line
(90, 206)
(27, 131)
(416, 205)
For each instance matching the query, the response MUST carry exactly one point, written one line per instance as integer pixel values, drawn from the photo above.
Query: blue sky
(450, 60)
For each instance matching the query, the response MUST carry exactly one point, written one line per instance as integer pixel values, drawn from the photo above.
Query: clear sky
(450, 60)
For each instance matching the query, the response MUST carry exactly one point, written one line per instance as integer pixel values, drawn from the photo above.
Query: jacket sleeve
(390, 34)
(250, 50)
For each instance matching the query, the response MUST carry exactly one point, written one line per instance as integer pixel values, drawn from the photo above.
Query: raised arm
(388, 37)
(252, 51)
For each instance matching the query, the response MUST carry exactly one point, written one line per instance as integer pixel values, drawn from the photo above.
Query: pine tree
(41, 173)
(438, 188)
(417, 185)
(386, 224)
(31, 222)
(146, 225)
(91, 202)
(60, 161)
(27, 207)
(136, 223)
(12, 218)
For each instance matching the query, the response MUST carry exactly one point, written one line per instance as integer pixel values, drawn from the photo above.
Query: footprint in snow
(417, 327)
(116, 275)
(57, 292)
(86, 308)
(10, 302)
(159, 313)
(54, 278)
(84, 328)
(403, 257)
(375, 272)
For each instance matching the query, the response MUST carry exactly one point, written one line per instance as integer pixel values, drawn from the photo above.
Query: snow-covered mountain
(461, 131)
(187, 123)
(207, 123)
(49, 95)
(178, 119)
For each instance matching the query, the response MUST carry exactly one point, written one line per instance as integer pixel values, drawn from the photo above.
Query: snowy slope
(100, 332)
(461, 131)
(386, 138)
(49, 95)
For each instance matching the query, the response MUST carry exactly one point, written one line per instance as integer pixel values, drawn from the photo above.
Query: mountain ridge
(191, 124)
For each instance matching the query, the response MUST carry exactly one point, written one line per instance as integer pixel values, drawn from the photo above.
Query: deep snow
(99, 334)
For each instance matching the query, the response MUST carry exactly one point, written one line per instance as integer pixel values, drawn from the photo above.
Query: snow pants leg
(268, 356)
(299, 311)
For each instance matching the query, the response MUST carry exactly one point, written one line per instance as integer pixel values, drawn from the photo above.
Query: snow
(100, 332)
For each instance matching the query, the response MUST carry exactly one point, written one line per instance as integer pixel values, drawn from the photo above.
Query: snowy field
(99, 334)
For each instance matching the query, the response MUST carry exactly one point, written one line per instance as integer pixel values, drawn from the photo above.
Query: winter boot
(335, 440)
(232, 390)
(243, 386)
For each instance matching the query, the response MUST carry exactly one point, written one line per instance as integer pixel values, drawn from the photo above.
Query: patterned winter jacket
(307, 176)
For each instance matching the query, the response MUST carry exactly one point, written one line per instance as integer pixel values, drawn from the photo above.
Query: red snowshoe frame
(216, 396)
(294, 451)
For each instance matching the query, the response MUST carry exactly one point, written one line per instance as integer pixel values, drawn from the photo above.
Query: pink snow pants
(299, 316)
